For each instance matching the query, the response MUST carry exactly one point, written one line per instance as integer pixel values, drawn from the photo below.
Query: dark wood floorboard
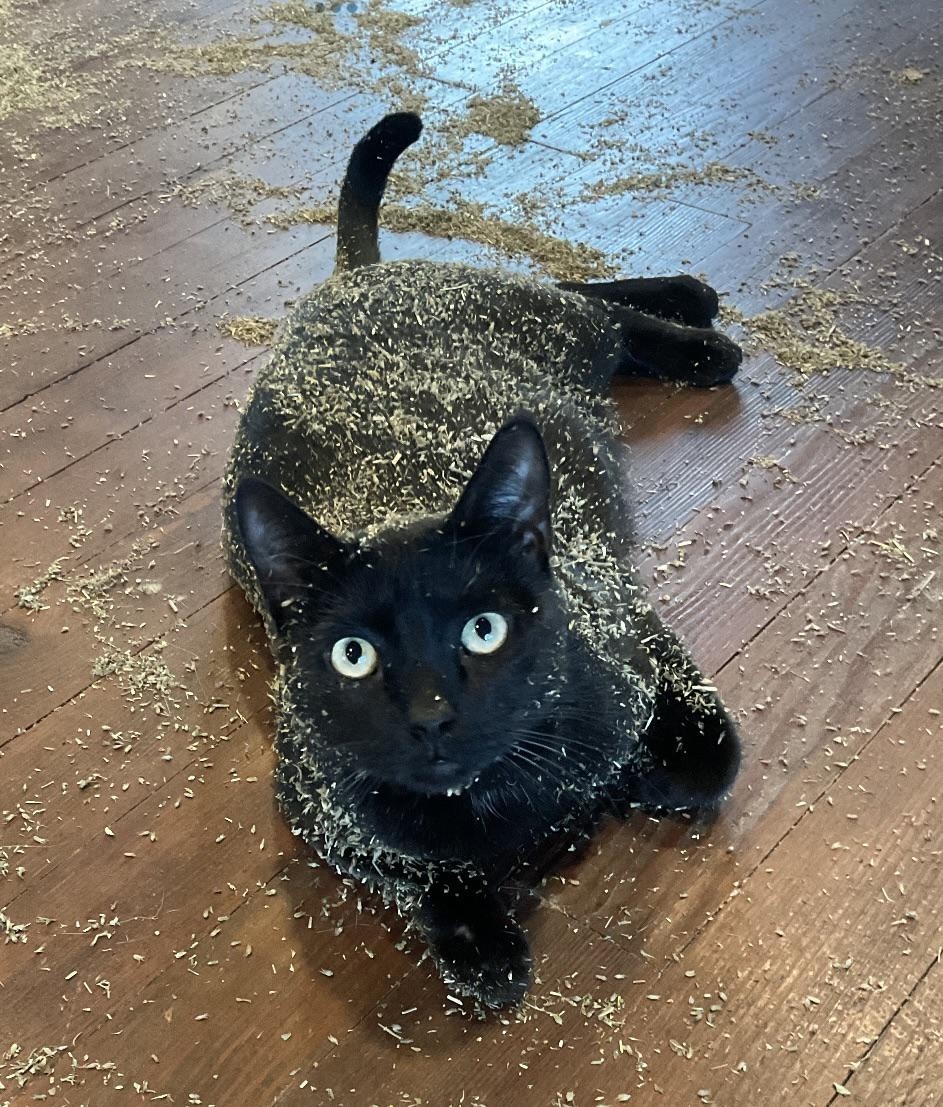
(165, 939)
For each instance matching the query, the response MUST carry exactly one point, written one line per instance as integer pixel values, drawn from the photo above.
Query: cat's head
(424, 657)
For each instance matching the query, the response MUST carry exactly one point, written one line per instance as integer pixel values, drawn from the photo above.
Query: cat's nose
(430, 717)
(430, 736)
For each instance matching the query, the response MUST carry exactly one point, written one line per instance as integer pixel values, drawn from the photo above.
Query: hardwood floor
(166, 940)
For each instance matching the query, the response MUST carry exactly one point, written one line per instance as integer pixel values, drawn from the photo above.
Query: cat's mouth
(444, 778)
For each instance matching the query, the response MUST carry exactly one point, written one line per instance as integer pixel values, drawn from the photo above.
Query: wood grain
(178, 943)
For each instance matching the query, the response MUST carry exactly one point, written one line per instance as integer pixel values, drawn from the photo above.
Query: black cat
(426, 503)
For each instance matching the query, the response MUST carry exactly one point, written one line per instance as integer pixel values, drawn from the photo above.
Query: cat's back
(418, 317)
(387, 384)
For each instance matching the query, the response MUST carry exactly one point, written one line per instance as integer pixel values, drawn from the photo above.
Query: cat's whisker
(485, 802)
(552, 771)
(550, 737)
(550, 762)
(544, 768)
(565, 752)
(355, 786)
(558, 746)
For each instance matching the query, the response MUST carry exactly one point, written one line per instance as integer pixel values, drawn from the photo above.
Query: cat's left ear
(508, 495)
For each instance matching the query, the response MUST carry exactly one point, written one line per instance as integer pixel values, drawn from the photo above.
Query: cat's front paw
(478, 948)
(493, 967)
(707, 358)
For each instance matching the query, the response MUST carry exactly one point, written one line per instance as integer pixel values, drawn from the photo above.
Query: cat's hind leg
(683, 299)
(656, 348)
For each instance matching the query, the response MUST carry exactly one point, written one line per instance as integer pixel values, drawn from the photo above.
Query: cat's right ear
(293, 557)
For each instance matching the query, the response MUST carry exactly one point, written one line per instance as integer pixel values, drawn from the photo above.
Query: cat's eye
(354, 657)
(485, 633)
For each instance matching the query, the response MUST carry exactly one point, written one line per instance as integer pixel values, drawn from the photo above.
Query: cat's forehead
(432, 571)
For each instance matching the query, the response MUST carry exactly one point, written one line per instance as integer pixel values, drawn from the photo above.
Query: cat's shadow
(651, 411)
(409, 1001)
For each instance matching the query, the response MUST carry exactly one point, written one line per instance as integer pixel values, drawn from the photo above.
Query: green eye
(485, 633)
(354, 657)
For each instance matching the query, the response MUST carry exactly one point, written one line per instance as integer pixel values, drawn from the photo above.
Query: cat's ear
(509, 493)
(293, 557)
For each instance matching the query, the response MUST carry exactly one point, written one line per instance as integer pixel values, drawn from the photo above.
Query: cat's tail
(364, 182)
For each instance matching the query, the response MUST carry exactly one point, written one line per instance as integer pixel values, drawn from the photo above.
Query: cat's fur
(429, 442)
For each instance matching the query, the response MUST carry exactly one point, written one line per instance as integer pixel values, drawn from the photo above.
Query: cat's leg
(683, 299)
(477, 946)
(691, 745)
(690, 355)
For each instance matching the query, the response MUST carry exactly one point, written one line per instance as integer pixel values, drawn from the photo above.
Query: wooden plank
(584, 35)
(869, 177)
(865, 422)
(95, 759)
(173, 289)
(316, 1013)
(154, 842)
(769, 99)
(159, 894)
(227, 1026)
(124, 386)
(149, 163)
(180, 144)
(513, 27)
(126, 487)
(780, 60)
(824, 892)
(92, 42)
(903, 1068)
(758, 541)
(861, 411)
(170, 574)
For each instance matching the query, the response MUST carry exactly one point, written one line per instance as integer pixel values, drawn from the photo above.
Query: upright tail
(364, 182)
